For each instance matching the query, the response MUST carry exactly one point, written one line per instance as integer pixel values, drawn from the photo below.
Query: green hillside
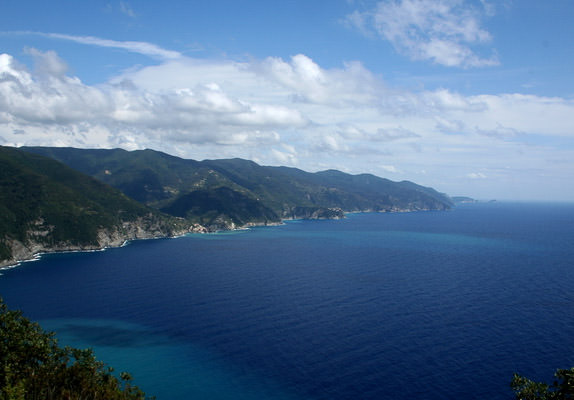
(45, 204)
(148, 176)
(181, 187)
(216, 206)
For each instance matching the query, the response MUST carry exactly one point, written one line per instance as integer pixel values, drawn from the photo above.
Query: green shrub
(562, 388)
(33, 366)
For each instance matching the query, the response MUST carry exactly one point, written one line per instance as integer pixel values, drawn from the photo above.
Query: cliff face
(149, 227)
(313, 213)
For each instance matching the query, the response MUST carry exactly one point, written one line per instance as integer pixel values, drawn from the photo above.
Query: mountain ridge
(157, 179)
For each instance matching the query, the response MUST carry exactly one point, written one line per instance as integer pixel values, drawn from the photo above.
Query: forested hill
(47, 206)
(67, 199)
(239, 191)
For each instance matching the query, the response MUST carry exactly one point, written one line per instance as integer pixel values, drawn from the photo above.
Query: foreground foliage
(562, 387)
(33, 366)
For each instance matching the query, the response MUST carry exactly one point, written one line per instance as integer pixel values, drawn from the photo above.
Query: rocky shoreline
(143, 229)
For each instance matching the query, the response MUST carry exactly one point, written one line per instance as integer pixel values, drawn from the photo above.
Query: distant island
(64, 199)
(463, 199)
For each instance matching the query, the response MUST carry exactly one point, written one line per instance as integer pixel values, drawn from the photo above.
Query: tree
(33, 366)
(562, 387)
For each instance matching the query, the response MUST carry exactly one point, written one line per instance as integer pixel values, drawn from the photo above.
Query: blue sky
(472, 97)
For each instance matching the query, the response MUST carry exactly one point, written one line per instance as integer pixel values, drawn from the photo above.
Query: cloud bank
(292, 112)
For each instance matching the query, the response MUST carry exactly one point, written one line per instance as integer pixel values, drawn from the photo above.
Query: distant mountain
(235, 192)
(47, 206)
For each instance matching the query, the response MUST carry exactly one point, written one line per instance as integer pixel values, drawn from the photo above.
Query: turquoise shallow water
(434, 305)
(193, 372)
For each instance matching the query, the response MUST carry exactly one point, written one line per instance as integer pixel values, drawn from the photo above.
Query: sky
(470, 97)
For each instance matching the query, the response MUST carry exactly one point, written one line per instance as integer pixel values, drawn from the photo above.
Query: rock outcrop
(143, 228)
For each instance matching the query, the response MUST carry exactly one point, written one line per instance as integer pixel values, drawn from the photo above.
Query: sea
(419, 305)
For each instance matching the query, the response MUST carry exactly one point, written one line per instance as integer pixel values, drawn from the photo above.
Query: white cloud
(200, 114)
(310, 83)
(50, 99)
(476, 175)
(331, 143)
(126, 9)
(306, 116)
(215, 98)
(389, 168)
(144, 48)
(48, 63)
(441, 31)
(285, 156)
(393, 134)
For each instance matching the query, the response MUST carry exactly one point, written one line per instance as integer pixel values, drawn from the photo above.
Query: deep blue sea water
(425, 305)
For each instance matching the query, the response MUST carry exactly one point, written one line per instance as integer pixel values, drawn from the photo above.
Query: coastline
(108, 240)
(13, 263)
(118, 236)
